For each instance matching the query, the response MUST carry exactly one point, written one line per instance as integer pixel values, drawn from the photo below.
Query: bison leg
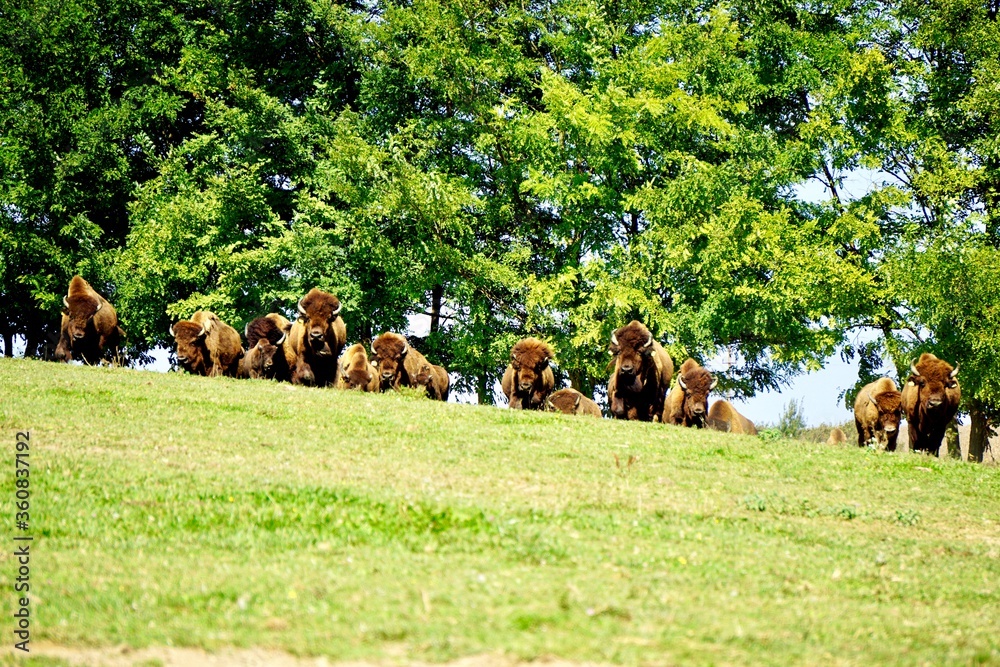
(862, 437)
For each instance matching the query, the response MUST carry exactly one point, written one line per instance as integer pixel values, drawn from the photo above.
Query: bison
(528, 379)
(687, 402)
(207, 346)
(398, 364)
(722, 416)
(643, 369)
(435, 379)
(572, 402)
(316, 340)
(930, 400)
(837, 437)
(877, 411)
(89, 325)
(355, 371)
(265, 355)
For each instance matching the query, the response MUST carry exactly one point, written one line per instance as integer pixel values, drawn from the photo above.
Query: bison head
(80, 307)
(318, 310)
(890, 410)
(936, 382)
(696, 383)
(530, 358)
(425, 376)
(190, 337)
(632, 348)
(390, 351)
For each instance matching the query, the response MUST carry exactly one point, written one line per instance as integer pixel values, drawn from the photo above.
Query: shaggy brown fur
(877, 411)
(398, 363)
(435, 379)
(356, 372)
(722, 416)
(572, 402)
(207, 346)
(316, 340)
(837, 437)
(687, 402)
(528, 379)
(89, 325)
(638, 387)
(930, 400)
(265, 355)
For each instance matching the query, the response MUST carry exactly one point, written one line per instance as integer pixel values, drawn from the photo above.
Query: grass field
(185, 511)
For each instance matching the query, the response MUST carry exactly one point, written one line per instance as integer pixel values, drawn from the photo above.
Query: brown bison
(528, 379)
(356, 372)
(207, 346)
(930, 400)
(435, 379)
(837, 437)
(643, 369)
(722, 416)
(877, 411)
(687, 402)
(572, 402)
(89, 325)
(265, 355)
(316, 340)
(398, 364)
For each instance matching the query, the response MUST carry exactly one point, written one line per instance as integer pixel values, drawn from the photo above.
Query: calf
(355, 371)
(877, 411)
(265, 355)
(435, 379)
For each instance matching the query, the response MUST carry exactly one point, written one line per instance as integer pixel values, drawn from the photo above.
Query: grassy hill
(170, 509)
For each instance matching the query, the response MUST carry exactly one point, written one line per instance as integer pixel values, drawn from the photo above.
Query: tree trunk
(8, 343)
(437, 294)
(979, 435)
(485, 397)
(950, 448)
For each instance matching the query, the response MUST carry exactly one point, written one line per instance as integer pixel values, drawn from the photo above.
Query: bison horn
(284, 335)
(65, 303)
(680, 381)
(204, 329)
(648, 342)
(171, 329)
(337, 312)
(954, 373)
(715, 381)
(614, 339)
(100, 304)
(301, 309)
(872, 399)
(246, 331)
(406, 348)
(913, 368)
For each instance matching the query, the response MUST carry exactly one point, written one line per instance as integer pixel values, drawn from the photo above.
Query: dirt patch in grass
(123, 656)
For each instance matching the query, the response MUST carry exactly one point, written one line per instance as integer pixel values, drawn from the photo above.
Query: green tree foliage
(552, 169)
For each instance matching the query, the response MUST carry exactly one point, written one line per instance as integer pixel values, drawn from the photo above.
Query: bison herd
(311, 351)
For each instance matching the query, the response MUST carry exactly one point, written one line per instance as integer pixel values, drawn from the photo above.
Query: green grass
(171, 509)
